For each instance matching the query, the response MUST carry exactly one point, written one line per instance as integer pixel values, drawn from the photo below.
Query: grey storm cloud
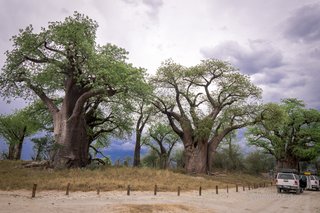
(304, 24)
(254, 58)
(269, 77)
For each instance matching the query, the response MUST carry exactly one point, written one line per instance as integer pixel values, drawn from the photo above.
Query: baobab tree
(64, 62)
(203, 104)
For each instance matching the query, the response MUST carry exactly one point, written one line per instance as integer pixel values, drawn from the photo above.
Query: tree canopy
(288, 131)
(203, 104)
(15, 128)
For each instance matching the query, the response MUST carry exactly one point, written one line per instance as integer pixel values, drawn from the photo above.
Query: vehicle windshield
(311, 177)
(285, 176)
(302, 177)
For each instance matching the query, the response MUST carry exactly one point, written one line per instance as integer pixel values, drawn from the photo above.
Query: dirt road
(257, 200)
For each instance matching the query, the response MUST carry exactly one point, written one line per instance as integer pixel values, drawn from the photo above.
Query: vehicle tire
(301, 190)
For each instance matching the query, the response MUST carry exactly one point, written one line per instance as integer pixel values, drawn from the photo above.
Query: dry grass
(13, 176)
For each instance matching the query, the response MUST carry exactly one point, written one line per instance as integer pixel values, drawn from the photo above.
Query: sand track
(257, 200)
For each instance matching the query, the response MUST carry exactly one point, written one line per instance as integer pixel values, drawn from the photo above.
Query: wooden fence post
(98, 190)
(200, 189)
(155, 189)
(68, 188)
(236, 187)
(128, 190)
(178, 190)
(216, 189)
(34, 189)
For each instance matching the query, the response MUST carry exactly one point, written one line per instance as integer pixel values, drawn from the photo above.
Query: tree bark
(72, 143)
(196, 156)
(288, 163)
(137, 150)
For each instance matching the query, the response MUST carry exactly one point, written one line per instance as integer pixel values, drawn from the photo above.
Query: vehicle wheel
(301, 190)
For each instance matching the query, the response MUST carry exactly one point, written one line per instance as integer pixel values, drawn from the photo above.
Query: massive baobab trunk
(72, 143)
(288, 163)
(196, 157)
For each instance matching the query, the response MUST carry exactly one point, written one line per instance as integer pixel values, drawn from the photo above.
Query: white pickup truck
(313, 183)
(288, 182)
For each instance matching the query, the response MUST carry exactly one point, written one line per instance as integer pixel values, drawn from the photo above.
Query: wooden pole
(68, 188)
(236, 187)
(34, 189)
(216, 189)
(178, 190)
(98, 190)
(155, 189)
(200, 189)
(128, 190)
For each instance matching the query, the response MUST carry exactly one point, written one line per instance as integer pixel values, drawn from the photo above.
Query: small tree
(144, 111)
(162, 139)
(43, 148)
(15, 128)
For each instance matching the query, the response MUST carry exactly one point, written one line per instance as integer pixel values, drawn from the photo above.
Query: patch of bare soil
(151, 208)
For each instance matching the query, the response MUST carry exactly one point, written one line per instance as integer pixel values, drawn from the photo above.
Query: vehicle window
(285, 176)
(303, 178)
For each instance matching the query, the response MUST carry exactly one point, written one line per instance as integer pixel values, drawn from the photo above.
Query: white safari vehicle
(286, 182)
(313, 183)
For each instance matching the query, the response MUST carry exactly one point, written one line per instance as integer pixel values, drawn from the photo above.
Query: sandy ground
(257, 200)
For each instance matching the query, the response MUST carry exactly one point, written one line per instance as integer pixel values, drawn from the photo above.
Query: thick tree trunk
(288, 163)
(18, 150)
(196, 157)
(137, 150)
(15, 150)
(72, 142)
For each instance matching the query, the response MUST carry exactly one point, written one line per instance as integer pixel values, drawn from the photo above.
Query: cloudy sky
(276, 42)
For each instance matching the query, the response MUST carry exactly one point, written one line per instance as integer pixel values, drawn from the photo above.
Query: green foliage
(206, 99)
(151, 159)
(229, 158)
(258, 162)
(161, 139)
(43, 147)
(18, 125)
(287, 131)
